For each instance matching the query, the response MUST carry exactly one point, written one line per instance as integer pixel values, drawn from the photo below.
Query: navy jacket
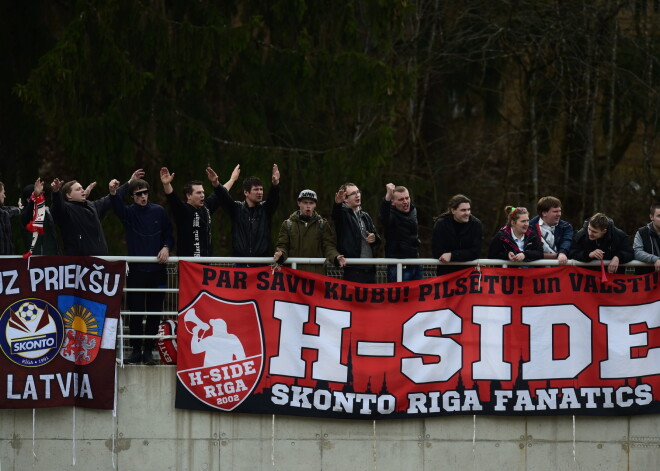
(563, 234)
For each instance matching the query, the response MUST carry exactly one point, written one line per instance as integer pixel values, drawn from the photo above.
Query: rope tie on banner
(474, 434)
(373, 446)
(34, 415)
(477, 268)
(272, 441)
(114, 421)
(574, 459)
(121, 347)
(275, 267)
(73, 441)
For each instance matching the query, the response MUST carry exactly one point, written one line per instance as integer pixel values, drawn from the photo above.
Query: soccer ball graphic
(28, 311)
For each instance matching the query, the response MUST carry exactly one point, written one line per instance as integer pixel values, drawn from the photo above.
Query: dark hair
(188, 187)
(654, 207)
(27, 192)
(547, 203)
(454, 202)
(137, 184)
(513, 213)
(599, 221)
(251, 182)
(66, 188)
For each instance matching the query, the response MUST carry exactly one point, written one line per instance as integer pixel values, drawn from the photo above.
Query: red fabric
(58, 328)
(499, 341)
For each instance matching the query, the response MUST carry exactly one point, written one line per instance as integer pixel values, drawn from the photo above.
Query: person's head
(401, 199)
(307, 202)
(73, 191)
(459, 208)
(139, 191)
(2, 193)
(219, 326)
(655, 216)
(194, 193)
(598, 225)
(352, 195)
(549, 210)
(517, 219)
(27, 192)
(253, 189)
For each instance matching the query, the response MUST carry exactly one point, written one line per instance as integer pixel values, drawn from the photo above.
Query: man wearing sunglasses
(148, 233)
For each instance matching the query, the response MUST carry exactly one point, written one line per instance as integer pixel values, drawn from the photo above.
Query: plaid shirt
(6, 243)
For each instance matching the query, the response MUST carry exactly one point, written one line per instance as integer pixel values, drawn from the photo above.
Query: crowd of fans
(351, 234)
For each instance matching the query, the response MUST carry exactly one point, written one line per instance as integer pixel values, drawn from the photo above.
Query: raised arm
(166, 179)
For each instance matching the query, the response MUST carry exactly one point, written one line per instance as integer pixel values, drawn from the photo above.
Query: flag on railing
(500, 341)
(58, 330)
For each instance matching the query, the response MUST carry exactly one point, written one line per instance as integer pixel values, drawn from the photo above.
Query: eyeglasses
(348, 195)
(141, 193)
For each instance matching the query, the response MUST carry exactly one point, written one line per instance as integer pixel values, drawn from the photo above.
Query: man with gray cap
(307, 234)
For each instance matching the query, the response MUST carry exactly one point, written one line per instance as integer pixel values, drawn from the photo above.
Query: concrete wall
(152, 435)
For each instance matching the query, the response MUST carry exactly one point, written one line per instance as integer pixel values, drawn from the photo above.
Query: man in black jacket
(79, 219)
(356, 235)
(457, 235)
(599, 239)
(251, 219)
(399, 218)
(193, 217)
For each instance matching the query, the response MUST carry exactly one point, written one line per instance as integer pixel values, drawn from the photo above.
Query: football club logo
(83, 323)
(220, 357)
(31, 332)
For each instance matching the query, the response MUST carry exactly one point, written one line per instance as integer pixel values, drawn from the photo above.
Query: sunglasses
(141, 193)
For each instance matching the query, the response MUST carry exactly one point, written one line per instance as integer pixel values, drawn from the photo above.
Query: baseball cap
(307, 194)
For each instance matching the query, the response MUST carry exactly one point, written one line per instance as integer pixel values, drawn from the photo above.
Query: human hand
(113, 185)
(38, 186)
(445, 257)
(371, 237)
(614, 265)
(389, 191)
(340, 196)
(165, 176)
(276, 175)
(89, 189)
(562, 259)
(212, 176)
(235, 173)
(139, 173)
(163, 255)
(341, 260)
(56, 184)
(597, 254)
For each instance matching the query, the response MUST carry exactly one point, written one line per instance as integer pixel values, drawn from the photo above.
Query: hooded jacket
(313, 238)
(502, 243)
(80, 223)
(349, 233)
(614, 243)
(646, 247)
(563, 234)
(464, 245)
(401, 236)
(250, 229)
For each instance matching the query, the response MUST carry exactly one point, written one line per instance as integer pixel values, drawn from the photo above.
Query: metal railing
(170, 303)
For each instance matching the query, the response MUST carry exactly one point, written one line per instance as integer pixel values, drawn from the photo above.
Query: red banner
(58, 330)
(497, 341)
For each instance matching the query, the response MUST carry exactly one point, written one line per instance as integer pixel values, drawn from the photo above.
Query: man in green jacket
(306, 234)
